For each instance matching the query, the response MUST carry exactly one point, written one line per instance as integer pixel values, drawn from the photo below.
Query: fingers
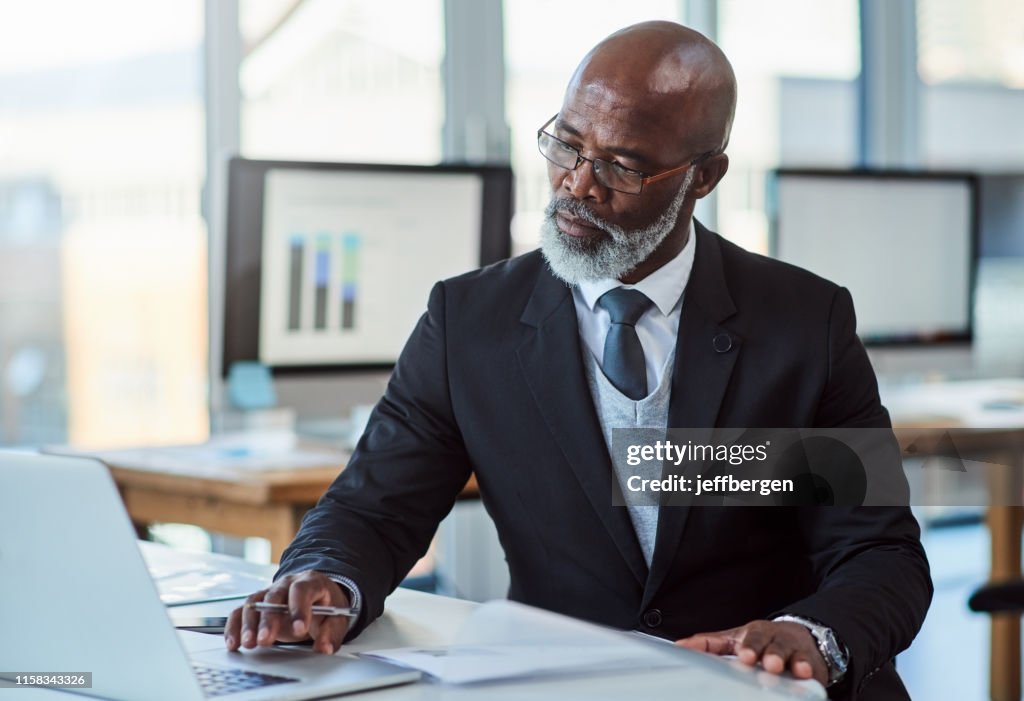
(305, 592)
(777, 655)
(233, 630)
(754, 641)
(242, 624)
(247, 627)
(328, 632)
(270, 622)
(802, 666)
(793, 648)
(722, 642)
(778, 646)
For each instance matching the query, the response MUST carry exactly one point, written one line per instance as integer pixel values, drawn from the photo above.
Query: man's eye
(623, 170)
(565, 147)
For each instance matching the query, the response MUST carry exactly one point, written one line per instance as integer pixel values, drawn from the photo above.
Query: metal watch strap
(836, 656)
(354, 595)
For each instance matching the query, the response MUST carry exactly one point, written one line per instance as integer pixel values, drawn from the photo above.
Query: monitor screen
(1002, 215)
(329, 266)
(904, 244)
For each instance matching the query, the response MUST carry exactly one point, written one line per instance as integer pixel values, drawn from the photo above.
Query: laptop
(75, 596)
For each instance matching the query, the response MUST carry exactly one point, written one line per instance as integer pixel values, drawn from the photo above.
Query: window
(345, 80)
(981, 41)
(102, 245)
(544, 42)
(971, 64)
(796, 63)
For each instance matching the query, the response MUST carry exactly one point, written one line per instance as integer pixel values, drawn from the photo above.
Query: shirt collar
(664, 286)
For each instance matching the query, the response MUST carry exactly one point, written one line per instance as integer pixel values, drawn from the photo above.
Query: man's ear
(709, 175)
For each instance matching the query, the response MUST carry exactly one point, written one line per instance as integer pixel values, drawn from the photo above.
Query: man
(631, 315)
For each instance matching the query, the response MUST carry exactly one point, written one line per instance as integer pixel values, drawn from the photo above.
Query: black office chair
(999, 597)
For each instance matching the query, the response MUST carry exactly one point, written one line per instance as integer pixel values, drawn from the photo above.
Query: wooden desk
(265, 504)
(991, 412)
(243, 503)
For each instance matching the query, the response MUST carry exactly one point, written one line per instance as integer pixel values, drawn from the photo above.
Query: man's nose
(582, 183)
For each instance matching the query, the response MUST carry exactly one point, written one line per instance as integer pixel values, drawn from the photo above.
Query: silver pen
(267, 607)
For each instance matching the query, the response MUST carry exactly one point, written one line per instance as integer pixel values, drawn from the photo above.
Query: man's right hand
(247, 627)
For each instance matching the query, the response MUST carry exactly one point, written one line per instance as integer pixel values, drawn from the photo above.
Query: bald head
(637, 141)
(667, 75)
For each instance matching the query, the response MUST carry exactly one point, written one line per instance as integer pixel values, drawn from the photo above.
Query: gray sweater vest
(616, 410)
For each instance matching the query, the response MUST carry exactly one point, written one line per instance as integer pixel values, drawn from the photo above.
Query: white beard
(612, 256)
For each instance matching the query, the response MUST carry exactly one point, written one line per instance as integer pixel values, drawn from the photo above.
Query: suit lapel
(551, 360)
(706, 352)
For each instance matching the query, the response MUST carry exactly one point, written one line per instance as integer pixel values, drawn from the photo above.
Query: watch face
(836, 659)
(836, 652)
(839, 663)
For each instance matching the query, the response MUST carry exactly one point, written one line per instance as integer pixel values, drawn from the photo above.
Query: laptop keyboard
(217, 681)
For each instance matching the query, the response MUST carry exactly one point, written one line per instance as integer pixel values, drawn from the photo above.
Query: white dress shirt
(658, 328)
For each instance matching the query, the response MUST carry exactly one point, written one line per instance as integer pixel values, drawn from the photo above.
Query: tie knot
(624, 306)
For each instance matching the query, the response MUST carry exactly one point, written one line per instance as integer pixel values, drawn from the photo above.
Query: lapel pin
(722, 343)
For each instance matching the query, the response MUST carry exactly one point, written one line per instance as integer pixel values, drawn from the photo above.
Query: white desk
(415, 618)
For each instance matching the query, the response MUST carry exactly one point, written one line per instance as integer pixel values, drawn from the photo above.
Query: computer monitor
(329, 265)
(904, 244)
(1002, 215)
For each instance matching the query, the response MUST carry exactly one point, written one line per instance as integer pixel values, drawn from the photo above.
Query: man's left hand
(778, 646)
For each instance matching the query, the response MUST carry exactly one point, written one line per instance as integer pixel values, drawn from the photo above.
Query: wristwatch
(837, 657)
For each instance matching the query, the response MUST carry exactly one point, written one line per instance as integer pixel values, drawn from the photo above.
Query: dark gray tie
(623, 362)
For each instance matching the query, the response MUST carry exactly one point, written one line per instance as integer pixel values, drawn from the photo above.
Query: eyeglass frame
(644, 178)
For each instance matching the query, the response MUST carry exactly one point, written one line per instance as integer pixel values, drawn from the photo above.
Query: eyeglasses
(611, 175)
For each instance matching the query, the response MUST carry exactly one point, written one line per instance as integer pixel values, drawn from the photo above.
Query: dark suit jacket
(492, 382)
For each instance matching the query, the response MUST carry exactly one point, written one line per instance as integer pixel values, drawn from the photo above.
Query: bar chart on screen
(349, 259)
(350, 244)
(335, 276)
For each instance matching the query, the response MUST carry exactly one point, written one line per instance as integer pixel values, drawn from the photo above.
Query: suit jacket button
(722, 343)
(652, 619)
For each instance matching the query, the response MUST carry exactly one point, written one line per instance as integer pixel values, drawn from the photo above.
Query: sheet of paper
(504, 640)
(183, 579)
(206, 584)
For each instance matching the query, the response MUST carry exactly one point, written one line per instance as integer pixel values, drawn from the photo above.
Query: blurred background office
(117, 118)
(114, 113)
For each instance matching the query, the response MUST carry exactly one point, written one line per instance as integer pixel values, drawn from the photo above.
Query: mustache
(579, 210)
